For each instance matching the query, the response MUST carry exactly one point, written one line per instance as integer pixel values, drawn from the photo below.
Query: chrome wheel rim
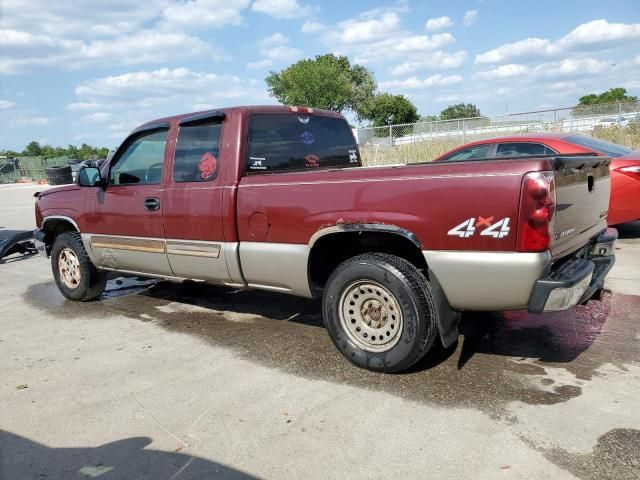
(69, 268)
(370, 315)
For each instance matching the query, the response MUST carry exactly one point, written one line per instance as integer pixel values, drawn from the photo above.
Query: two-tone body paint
(261, 227)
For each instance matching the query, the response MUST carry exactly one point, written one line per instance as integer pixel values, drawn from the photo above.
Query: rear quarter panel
(427, 200)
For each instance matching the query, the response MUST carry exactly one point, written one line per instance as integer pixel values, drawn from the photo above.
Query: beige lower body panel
(278, 267)
(487, 280)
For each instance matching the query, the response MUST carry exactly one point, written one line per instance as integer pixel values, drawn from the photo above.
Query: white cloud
(449, 98)
(434, 61)
(260, 64)
(275, 39)
(589, 37)
(503, 71)
(153, 89)
(281, 8)
(470, 17)
(23, 51)
(440, 23)
(529, 47)
(205, 13)
(312, 27)
(282, 53)
(28, 122)
(410, 47)
(569, 67)
(81, 106)
(415, 83)
(6, 104)
(98, 117)
(600, 34)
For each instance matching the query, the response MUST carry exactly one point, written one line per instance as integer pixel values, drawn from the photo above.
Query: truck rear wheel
(380, 312)
(75, 275)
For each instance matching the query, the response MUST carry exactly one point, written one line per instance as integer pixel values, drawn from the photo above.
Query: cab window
(294, 142)
(197, 153)
(515, 149)
(141, 162)
(476, 152)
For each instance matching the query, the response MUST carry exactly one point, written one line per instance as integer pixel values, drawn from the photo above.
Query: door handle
(152, 204)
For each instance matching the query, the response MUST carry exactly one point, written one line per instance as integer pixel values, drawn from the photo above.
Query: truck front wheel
(380, 312)
(75, 275)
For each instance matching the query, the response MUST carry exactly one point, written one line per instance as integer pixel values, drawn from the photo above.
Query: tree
(386, 109)
(610, 96)
(329, 82)
(33, 149)
(461, 110)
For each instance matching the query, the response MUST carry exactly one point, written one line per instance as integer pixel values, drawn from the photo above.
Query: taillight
(537, 207)
(632, 171)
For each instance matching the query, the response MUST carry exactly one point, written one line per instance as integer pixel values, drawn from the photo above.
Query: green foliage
(461, 110)
(329, 82)
(34, 149)
(611, 102)
(386, 109)
(612, 95)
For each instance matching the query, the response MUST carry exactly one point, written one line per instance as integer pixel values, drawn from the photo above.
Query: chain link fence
(423, 141)
(18, 169)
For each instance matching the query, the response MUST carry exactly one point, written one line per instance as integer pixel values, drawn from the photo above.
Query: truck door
(124, 219)
(193, 209)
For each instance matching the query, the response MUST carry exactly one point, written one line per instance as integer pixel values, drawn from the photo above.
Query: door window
(141, 162)
(514, 149)
(470, 153)
(197, 153)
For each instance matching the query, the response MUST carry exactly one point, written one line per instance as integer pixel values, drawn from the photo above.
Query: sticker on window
(303, 120)
(257, 163)
(311, 161)
(307, 138)
(353, 156)
(208, 165)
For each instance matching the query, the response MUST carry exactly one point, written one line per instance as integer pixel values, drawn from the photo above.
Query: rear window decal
(307, 138)
(257, 163)
(311, 161)
(303, 120)
(353, 156)
(208, 165)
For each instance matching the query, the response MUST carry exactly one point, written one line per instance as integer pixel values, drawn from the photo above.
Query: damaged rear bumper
(575, 280)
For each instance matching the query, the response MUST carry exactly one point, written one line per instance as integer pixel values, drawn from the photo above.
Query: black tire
(412, 292)
(91, 281)
(60, 175)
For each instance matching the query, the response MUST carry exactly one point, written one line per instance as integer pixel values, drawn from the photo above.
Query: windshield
(607, 148)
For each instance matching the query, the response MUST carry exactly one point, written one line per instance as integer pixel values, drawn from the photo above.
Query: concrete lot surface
(164, 381)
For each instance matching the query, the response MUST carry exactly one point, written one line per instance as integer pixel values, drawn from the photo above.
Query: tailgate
(583, 186)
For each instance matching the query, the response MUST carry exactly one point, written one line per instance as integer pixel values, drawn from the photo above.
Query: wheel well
(55, 227)
(332, 249)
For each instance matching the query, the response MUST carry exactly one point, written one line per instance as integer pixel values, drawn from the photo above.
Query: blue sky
(89, 71)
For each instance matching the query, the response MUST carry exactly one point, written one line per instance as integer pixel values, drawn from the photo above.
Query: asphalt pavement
(164, 381)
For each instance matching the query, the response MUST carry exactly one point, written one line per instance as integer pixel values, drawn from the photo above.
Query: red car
(625, 164)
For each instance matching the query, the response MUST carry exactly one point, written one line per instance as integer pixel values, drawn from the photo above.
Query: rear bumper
(576, 279)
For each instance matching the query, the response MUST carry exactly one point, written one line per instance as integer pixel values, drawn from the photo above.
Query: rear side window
(602, 146)
(197, 153)
(288, 142)
(470, 153)
(514, 149)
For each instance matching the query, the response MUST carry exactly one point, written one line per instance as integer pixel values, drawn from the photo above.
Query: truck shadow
(24, 459)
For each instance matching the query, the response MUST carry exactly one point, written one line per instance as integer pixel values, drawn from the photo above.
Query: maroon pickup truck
(275, 198)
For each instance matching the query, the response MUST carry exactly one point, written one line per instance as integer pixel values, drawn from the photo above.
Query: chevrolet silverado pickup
(276, 198)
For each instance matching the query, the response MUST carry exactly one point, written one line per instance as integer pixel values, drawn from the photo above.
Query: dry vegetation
(427, 150)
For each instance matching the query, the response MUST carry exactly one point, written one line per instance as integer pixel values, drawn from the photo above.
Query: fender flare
(364, 227)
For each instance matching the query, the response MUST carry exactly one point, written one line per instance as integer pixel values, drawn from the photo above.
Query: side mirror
(89, 177)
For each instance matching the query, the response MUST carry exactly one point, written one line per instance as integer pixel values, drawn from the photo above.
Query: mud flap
(16, 241)
(448, 319)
